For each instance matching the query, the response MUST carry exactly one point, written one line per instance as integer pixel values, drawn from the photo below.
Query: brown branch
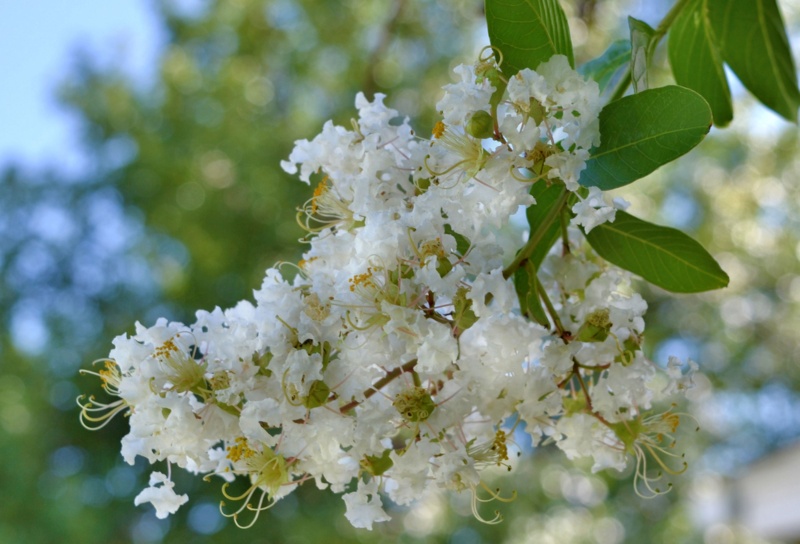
(577, 371)
(380, 384)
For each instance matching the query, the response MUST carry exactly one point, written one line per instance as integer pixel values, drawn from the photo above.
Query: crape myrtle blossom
(395, 359)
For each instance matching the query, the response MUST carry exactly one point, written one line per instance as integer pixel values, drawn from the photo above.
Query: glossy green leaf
(643, 131)
(603, 68)
(753, 42)
(528, 32)
(697, 62)
(664, 256)
(642, 47)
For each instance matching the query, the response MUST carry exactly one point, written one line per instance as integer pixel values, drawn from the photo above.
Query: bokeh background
(139, 151)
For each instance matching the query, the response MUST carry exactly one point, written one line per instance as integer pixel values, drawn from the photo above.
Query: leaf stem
(577, 372)
(669, 18)
(622, 86)
(564, 233)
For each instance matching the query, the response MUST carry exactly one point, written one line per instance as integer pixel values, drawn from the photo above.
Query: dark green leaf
(641, 132)
(528, 32)
(642, 47)
(753, 41)
(526, 285)
(696, 60)
(664, 256)
(603, 68)
(547, 196)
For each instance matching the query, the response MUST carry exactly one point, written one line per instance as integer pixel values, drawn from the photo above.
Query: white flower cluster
(397, 359)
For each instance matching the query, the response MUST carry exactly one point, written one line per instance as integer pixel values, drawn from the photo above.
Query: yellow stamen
(438, 129)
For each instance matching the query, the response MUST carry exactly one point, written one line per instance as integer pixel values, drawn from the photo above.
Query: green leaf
(664, 256)
(643, 131)
(528, 32)
(753, 41)
(376, 465)
(463, 316)
(642, 47)
(462, 242)
(697, 62)
(603, 68)
(526, 285)
(547, 196)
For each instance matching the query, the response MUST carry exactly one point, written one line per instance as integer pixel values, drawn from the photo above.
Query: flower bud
(480, 125)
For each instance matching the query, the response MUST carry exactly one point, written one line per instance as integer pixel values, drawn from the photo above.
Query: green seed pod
(414, 404)
(480, 125)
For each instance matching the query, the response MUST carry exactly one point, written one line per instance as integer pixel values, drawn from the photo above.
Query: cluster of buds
(394, 360)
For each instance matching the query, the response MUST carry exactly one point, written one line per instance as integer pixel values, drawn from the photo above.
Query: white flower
(494, 287)
(398, 348)
(465, 97)
(161, 495)
(678, 381)
(364, 506)
(594, 210)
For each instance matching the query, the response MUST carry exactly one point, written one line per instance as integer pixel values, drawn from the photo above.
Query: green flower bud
(480, 125)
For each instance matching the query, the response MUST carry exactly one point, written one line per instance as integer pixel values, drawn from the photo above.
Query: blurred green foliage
(185, 206)
(237, 84)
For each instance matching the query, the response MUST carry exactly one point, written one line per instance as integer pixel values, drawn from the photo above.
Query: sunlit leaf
(753, 41)
(696, 60)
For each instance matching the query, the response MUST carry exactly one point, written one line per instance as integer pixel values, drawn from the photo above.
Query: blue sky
(38, 39)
